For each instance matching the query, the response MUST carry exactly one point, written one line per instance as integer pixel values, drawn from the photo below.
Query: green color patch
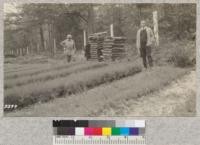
(115, 131)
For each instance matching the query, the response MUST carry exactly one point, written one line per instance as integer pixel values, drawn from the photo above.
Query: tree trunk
(91, 27)
(179, 25)
(118, 21)
(42, 38)
(51, 39)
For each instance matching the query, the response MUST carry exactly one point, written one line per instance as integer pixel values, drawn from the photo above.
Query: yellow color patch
(106, 131)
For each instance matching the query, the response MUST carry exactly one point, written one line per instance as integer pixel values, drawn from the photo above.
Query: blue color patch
(124, 131)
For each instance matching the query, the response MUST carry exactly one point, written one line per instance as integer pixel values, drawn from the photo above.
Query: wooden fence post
(84, 38)
(45, 45)
(27, 51)
(54, 45)
(38, 47)
(111, 30)
(155, 27)
(20, 53)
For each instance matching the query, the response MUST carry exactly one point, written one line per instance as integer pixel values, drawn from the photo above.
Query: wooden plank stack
(113, 48)
(93, 49)
(96, 45)
(107, 48)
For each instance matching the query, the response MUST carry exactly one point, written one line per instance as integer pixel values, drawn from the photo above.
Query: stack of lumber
(96, 45)
(118, 49)
(113, 48)
(107, 48)
(93, 49)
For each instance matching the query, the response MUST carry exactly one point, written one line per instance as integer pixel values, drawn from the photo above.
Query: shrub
(183, 54)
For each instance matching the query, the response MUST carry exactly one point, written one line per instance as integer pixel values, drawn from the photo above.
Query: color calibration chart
(99, 132)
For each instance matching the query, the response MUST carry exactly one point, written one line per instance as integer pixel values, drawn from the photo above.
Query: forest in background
(39, 28)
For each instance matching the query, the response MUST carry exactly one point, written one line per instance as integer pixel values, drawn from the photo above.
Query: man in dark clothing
(145, 39)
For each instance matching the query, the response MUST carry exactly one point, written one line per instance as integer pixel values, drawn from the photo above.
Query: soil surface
(176, 99)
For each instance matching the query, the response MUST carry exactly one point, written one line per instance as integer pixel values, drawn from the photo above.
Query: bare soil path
(176, 99)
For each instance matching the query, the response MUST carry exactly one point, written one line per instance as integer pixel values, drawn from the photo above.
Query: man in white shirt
(69, 47)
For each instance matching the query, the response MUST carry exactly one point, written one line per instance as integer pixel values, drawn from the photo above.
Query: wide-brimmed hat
(69, 36)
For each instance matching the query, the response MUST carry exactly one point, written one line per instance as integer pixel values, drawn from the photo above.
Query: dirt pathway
(176, 99)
